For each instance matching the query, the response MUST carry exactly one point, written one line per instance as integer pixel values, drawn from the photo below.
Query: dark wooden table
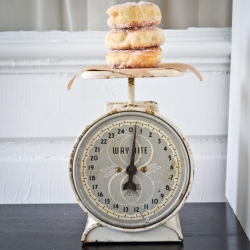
(205, 226)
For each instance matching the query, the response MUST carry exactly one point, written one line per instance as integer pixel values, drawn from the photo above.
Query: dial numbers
(155, 154)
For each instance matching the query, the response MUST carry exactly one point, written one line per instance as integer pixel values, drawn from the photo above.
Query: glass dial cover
(102, 155)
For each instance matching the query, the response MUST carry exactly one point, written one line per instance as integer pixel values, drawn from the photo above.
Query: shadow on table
(133, 246)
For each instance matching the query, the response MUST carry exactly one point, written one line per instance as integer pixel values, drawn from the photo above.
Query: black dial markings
(100, 135)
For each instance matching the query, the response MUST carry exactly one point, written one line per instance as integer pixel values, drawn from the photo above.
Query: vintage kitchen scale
(132, 169)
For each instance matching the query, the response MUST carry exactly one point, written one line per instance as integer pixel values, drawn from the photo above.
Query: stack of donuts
(134, 41)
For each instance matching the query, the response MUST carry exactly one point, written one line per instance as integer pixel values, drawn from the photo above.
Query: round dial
(131, 170)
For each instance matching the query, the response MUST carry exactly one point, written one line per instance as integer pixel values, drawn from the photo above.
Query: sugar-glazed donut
(145, 58)
(140, 38)
(133, 14)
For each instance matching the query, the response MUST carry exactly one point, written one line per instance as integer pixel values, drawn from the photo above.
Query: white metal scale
(131, 170)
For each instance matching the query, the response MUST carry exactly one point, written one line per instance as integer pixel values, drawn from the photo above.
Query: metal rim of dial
(179, 199)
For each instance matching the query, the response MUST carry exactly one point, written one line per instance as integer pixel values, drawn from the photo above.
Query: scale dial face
(102, 156)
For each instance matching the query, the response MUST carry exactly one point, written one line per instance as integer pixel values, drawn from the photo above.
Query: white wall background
(238, 167)
(40, 119)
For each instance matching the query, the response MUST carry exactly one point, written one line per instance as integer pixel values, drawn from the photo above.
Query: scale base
(170, 231)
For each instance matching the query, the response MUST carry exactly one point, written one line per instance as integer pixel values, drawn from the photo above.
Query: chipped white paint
(40, 118)
(170, 231)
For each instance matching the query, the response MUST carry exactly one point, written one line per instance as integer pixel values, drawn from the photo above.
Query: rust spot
(149, 111)
(159, 190)
(144, 169)
(70, 170)
(118, 169)
(131, 81)
(112, 112)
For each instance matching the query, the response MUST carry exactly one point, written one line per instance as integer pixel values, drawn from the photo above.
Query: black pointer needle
(131, 169)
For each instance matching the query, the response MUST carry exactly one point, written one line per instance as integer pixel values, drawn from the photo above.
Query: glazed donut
(134, 38)
(131, 15)
(145, 58)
